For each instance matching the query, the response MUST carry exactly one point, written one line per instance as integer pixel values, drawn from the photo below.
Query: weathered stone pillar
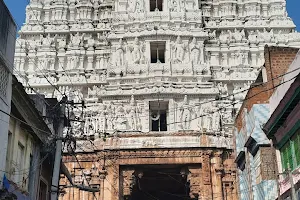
(216, 172)
(206, 189)
(127, 183)
(194, 177)
(102, 177)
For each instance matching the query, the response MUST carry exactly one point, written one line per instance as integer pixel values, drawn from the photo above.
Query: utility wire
(43, 73)
(227, 97)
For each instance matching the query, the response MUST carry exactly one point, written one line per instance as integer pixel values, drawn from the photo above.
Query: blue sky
(17, 9)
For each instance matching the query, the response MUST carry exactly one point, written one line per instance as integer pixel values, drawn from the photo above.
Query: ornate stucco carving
(103, 52)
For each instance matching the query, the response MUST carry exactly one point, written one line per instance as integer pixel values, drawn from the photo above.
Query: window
(296, 140)
(158, 113)
(4, 75)
(290, 153)
(286, 154)
(157, 50)
(156, 5)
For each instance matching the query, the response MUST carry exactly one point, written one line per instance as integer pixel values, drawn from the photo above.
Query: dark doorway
(163, 182)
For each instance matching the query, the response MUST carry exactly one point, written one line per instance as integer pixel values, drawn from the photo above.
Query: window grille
(4, 24)
(3, 80)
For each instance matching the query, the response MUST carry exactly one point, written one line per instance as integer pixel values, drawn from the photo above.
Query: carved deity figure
(195, 52)
(225, 37)
(185, 114)
(121, 120)
(179, 50)
(223, 90)
(215, 125)
(198, 111)
(76, 40)
(101, 119)
(132, 114)
(238, 36)
(241, 57)
(119, 56)
(62, 44)
(139, 6)
(73, 62)
(268, 36)
(47, 41)
(91, 43)
(110, 116)
(212, 35)
(136, 52)
(44, 62)
(252, 38)
(206, 119)
(174, 5)
(136, 6)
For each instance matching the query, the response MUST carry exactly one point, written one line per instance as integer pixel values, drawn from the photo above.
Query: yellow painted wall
(18, 155)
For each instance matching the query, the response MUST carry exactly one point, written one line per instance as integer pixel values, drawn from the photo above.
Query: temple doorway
(157, 182)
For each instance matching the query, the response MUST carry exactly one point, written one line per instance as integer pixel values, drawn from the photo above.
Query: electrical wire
(200, 103)
(75, 156)
(43, 73)
(243, 173)
(32, 170)
(228, 97)
(49, 41)
(23, 122)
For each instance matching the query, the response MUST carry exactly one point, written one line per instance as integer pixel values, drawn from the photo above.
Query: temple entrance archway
(168, 182)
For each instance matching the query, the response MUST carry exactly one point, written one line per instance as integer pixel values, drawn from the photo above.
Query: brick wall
(268, 167)
(277, 61)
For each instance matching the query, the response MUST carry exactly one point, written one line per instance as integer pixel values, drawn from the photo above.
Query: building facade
(7, 46)
(157, 79)
(30, 155)
(256, 156)
(283, 128)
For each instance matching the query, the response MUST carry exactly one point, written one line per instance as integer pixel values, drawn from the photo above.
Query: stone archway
(168, 182)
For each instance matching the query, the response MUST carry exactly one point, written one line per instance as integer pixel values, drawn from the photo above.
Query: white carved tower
(151, 66)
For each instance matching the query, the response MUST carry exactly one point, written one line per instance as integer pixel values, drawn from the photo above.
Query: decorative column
(246, 58)
(106, 57)
(102, 177)
(253, 59)
(216, 11)
(97, 62)
(72, 12)
(264, 10)
(81, 63)
(127, 182)
(224, 59)
(52, 64)
(215, 59)
(171, 115)
(206, 176)
(47, 13)
(145, 117)
(194, 177)
(31, 65)
(201, 45)
(90, 59)
(216, 172)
